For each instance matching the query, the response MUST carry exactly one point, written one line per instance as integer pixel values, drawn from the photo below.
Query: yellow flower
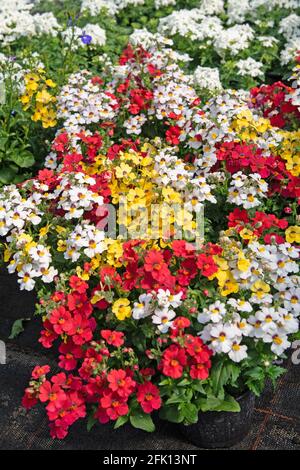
(247, 234)
(82, 274)
(227, 283)
(7, 254)
(260, 288)
(96, 297)
(292, 234)
(243, 263)
(124, 171)
(43, 97)
(121, 308)
(61, 245)
(44, 230)
(50, 83)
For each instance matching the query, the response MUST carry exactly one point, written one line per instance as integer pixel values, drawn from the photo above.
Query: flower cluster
(38, 97)
(162, 232)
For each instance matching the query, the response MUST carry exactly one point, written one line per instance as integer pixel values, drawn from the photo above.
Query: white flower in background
(268, 41)
(238, 352)
(91, 34)
(289, 26)
(163, 3)
(237, 10)
(208, 78)
(213, 7)
(146, 39)
(163, 318)
(94, 7)
(249, 67)
(214, 313)
(142, 308)
(234, 39)
(289, 52)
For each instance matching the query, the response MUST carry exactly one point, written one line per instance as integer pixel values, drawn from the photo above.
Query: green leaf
(274, 372)
(172, 414)
(17, 327)
(121, 421)
(229, 404)
(190, 412)
(6, 175)
(142, 421)
(91, 422)
(24, 159)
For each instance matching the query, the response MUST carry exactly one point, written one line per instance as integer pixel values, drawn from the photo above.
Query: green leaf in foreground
(142, 421)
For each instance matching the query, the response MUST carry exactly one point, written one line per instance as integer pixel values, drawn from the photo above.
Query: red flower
(195, 348)
(173, 361)
(147, 373)
(154, 261)
(78, 303)
(80, 329)
(112, 407)
(199, 371)
(78, 284)
(120, 383)
(60, 318)
(183, 248)
(51, 393)
(47, 335)
(206, 265)
(148, 397)
(115, 338)
(58, 431)
(39, 371)
(181, 323)
(29, 398)
(172, 135)
(70, 353)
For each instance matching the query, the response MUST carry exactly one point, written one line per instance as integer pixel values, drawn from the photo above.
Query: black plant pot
(220, 429)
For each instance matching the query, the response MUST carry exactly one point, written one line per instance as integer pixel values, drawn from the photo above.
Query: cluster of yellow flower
(39, 99)
(290, 151)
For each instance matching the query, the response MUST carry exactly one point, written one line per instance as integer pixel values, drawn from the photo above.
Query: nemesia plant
(189, 298)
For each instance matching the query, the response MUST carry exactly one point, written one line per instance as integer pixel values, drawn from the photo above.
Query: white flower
(222, 337)
(279, 343)
(208, 78)
(26, 275)
(249, 67)
(166, 299)
(240, 305)
(48, 274)
(142, 308)
(163, 318)
(238, 352)
(215, 312)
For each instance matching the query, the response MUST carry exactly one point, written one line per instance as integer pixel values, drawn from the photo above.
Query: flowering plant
(162, 239)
